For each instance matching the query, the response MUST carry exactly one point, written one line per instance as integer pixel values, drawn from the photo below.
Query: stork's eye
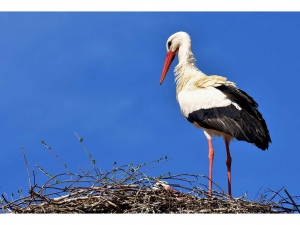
(169, 44)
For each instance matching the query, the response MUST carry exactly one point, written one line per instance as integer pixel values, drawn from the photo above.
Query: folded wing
(215, 103)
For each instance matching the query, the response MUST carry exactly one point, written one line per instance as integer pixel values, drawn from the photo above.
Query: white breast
(191, 100)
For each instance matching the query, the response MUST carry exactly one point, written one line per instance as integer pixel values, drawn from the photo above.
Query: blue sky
(97, 74)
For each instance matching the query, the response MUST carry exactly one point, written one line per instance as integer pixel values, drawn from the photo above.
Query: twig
(27, 168)
(50, 149)
(294, 204)
(92, 161)
(274, 194)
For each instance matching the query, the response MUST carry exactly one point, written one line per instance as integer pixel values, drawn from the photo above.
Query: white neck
(186, 68)
(185, 54)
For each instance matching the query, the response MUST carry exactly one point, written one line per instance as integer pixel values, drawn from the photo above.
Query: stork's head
(173, 44)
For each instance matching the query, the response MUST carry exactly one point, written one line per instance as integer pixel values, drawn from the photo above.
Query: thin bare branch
(56, 156)
(27, 167)
(294, 204)
(92, 161)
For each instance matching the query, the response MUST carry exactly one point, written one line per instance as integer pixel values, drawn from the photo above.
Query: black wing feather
(246, 124)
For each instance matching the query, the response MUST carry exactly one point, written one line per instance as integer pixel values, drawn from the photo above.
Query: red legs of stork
(211, 159)
(228, 164)
(208, 134)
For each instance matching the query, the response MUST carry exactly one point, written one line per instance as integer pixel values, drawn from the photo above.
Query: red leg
(228, 164)
(211, 158)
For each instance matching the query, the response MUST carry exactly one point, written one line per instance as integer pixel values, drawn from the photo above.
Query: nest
(127, 189)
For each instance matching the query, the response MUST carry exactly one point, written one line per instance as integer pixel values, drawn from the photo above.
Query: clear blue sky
(97, 74)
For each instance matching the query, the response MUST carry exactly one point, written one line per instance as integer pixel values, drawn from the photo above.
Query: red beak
(169, 58)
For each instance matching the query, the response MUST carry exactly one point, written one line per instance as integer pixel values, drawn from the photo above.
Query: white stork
(213, 103)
